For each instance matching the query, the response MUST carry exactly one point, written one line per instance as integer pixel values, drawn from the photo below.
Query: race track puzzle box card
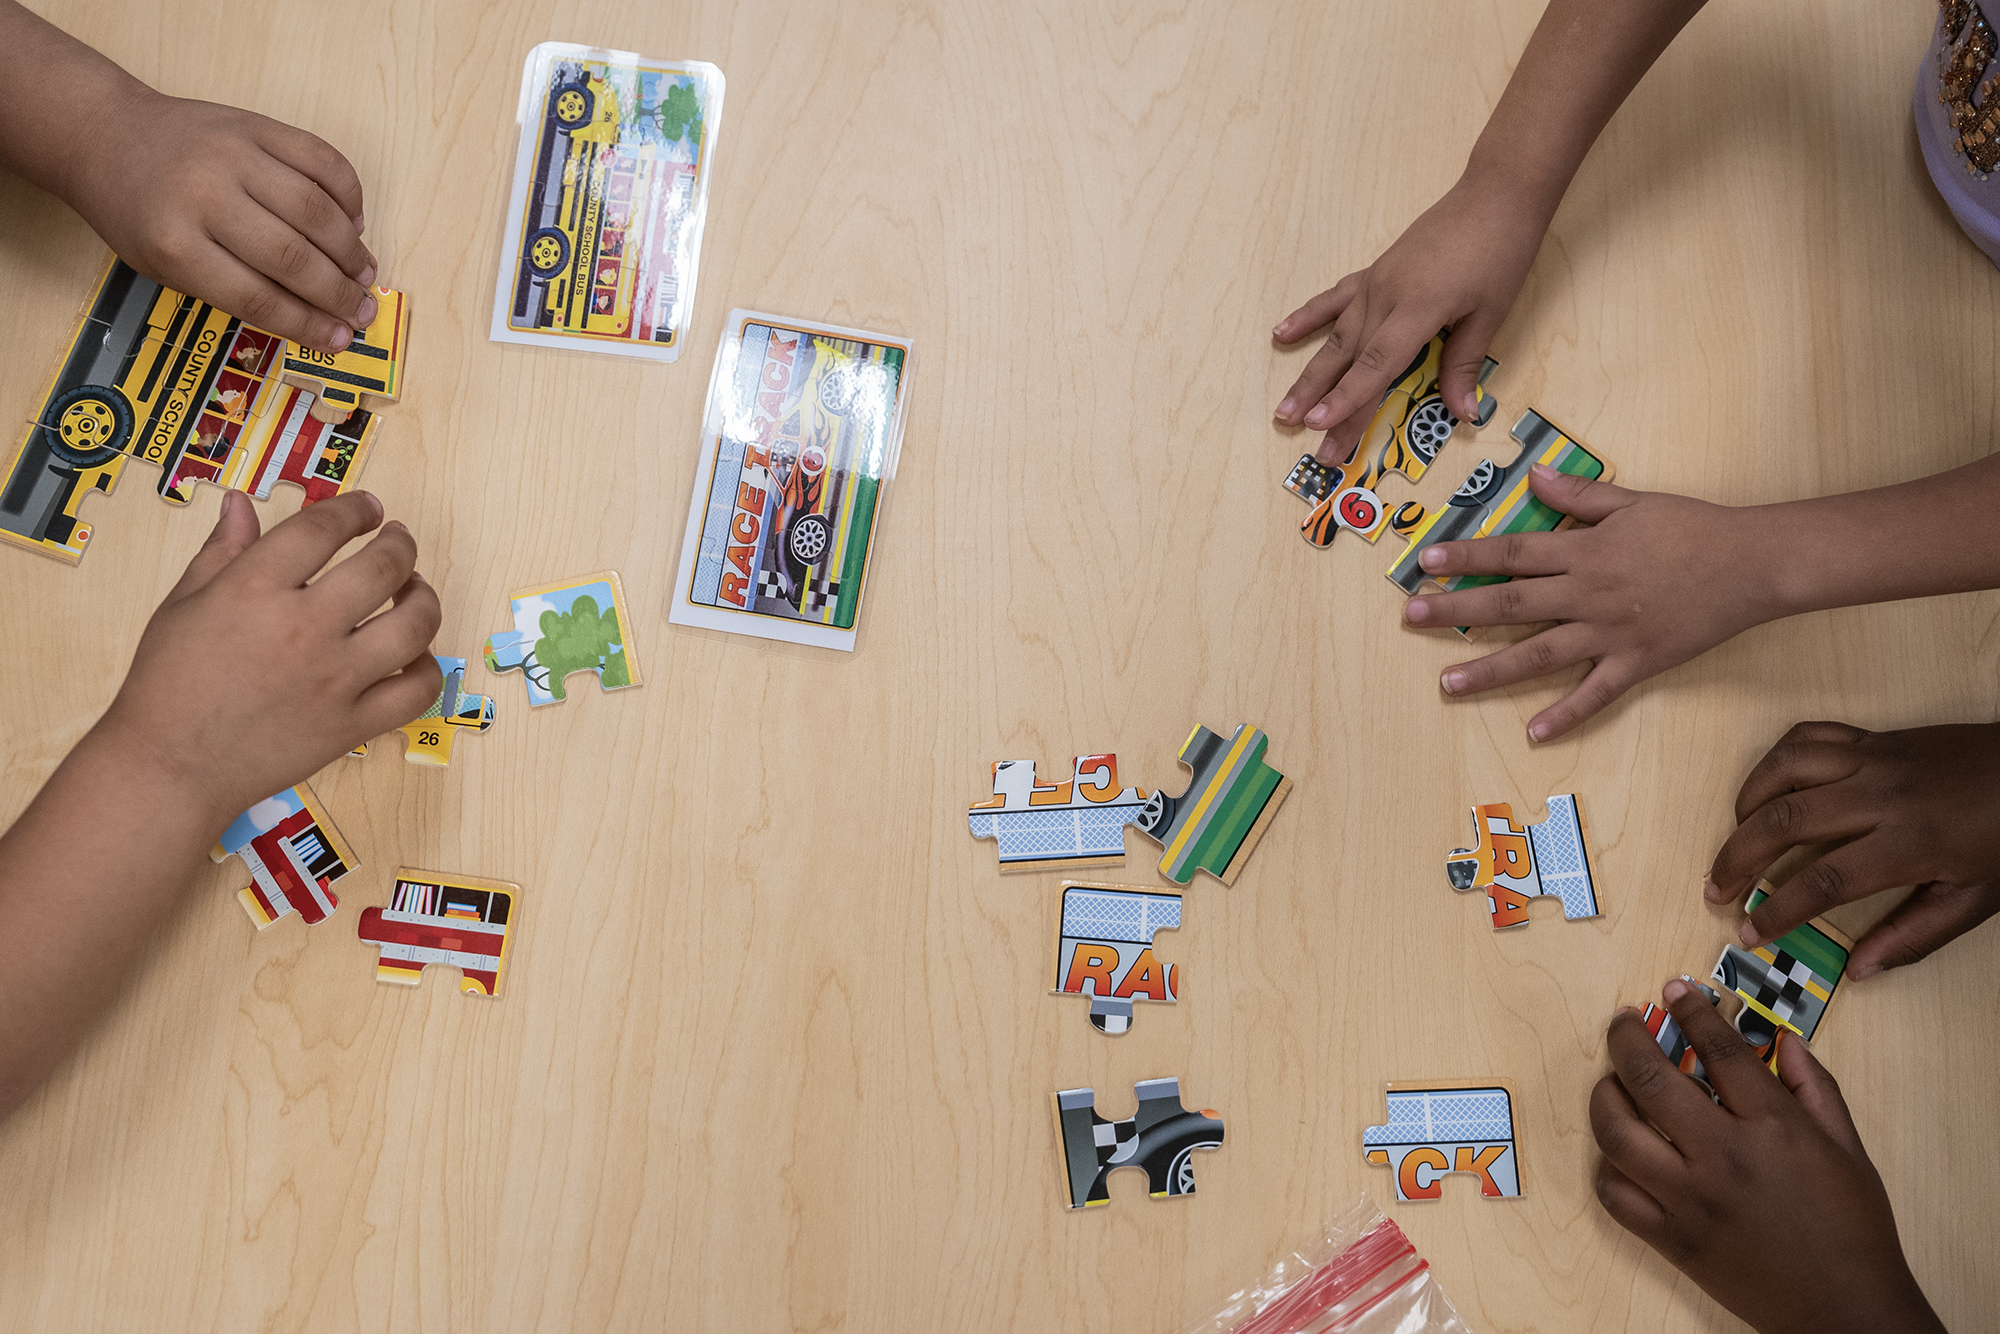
(799, 442)
(610, 192)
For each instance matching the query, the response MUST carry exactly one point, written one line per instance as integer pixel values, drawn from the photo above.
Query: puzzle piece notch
(1409, 428)
(1070, 825)
(1439, 1127)
(1494, 501)
(1515, 864)
(459, 920)
(1787, 984)
(1161, 1137)
(574, 625)
(294, 854)
(428, 737)
(1230, 801)
(1104, 949)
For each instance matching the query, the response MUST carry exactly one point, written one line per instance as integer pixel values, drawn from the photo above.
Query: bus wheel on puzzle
(571, 104)
(809, 538)
(88, 426)
(548, 252)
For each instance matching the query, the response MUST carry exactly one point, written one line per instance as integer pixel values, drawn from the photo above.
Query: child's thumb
(233, 533)
(1817, 1091)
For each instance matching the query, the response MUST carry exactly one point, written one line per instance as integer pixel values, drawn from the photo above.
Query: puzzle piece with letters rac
(1104, 949)
(1161, 1137)
(459, 920)
(1441, 1126)
(153, 374)
(294, 854)
(1217, 823)
(573, 625)
(1514, 865)
(1408, 429)
(1494, 501)
(1077, 823)
(428, 737)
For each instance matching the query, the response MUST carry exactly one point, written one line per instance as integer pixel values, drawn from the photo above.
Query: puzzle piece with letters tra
(1160, 1137)
(1408, 429)
(460, 920)
(294, 855)
(1104, 949)
(1440, 1126)
(1074, 824)
(1514, 865)
(574, 625)
(428, 737)
(1217, 823)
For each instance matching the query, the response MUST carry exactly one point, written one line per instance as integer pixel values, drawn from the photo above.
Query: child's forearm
(53, 88)
(1585, 58)
(86, 873)
(1915, 539)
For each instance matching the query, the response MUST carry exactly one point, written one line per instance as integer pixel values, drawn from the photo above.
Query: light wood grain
(774, 1052)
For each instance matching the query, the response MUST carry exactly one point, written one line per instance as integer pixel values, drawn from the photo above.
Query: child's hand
(1702, 1184)
(1918, 807)
(1460, 264)
(250, 678)
(1655, 580)
(252, 216)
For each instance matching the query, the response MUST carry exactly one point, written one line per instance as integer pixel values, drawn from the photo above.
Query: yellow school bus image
(581, 256)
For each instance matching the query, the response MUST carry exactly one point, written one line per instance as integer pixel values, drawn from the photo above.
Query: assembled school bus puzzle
(610, 191)
(799, 441)
(153, 374)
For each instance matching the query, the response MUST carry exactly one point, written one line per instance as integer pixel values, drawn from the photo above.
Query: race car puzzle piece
(1408, 429)
(1666, 1031)
(1104, 949)
(1160, 1137)
(1217, 823)
(1070, 825)
(154, 374)
(1515, 864)
(574, 625)
(1785, 984)
(1441, 1126)
(294, 854)
(460, 920)
(1494, 501)
(428, 737)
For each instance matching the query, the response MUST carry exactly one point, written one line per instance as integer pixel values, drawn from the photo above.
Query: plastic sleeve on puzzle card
(1360, 1276)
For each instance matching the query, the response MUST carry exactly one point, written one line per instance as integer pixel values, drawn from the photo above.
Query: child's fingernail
(1431, 558)
(1861, 972)
(1538, 732)
(230, 499)
(1625, 1009)
(342, 336)
(1747, 934)
(374, 501)
(1327, 453)
(1674, 990)
(1472, 407)
(1288, 407)
(1543, 471)
(367, 278)
(1712, 892)
(1316, 418)
(366, 315)
(1454, 682)
(1415, 610)
(360, 224)
(1278, 329)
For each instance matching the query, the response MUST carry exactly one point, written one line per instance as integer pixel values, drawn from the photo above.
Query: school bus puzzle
(154, 374)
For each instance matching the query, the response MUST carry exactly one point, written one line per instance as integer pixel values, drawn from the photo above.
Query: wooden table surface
(774, 1051)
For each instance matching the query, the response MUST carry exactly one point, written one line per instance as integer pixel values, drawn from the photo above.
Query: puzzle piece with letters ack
(1104, 949)
(1515, 864)
(1077, 823)
(1161, 1137)
(1441, 1126)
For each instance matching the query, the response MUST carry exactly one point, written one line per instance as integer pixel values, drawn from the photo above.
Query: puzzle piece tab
(1436, 1127)
(458, 920)
(575, 625)
(1405, 434)
(294, 855)
(1217, 823)
(1494, 501)
(1514, 865)
(1061, 826)
(1785, 984)
(1104, 949)
(1161, 1138)
(428, 738)
(153, 374)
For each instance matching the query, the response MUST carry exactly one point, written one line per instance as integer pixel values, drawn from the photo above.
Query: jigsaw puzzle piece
(577, 625)
(1104, 949)
(1515, 864)
(1785, 984)
(429, 736)
(459, 920)
(1217, 823)
(41, 499)
(1408, 429)
(1438, 1127)
(1666, 1031)
(372, 363)
(1161, 1138)
(294, 855)
(1058, 826)
(1494, 501)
